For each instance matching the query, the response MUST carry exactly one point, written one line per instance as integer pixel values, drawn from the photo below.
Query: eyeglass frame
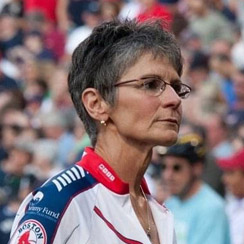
(162, 81)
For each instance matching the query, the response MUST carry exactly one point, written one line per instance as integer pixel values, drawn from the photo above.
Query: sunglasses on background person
(175, 167)
(14, 127)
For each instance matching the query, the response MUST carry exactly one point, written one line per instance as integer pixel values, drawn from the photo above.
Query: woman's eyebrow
(152, 75)
(173, 81)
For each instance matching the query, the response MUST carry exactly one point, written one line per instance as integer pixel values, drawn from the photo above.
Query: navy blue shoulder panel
(50, 201)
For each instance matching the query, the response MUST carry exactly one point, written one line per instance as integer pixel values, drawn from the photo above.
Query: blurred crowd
(40, 131)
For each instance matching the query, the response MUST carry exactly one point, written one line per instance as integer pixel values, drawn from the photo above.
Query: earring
(103, 122)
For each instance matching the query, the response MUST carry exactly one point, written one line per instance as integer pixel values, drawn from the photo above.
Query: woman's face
(139, 117)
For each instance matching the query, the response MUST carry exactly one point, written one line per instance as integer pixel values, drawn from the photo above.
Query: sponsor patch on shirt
(36, 208)
(29, 232)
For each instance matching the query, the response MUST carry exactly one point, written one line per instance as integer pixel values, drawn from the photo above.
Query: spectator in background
(14, 8)
(58, 97)
(233, 179)
(179, 22)
(34, 97)
(53, 38)
(10, 33)
(221, 47)
(238, 46)
(45, 158)
(34, 43)
(7, 68)
(110, 9)
(219, 145)
(218, 136)
(55, 127)
(191, 44)
(237, 137)
(47, 8)
(211, 173)
(2, 4)
(152, 175)
(11, 99)
(7, 215)
(153, 9)
(29, 68)
(208, 24)
(13, 124)
(198, 211)
(7, 83)
(222, 71)
(91, 18)
(82, 140)
(129, 10)
(69, 13)
(14, 178)
(238, 6)
(171, 4)
(224, 8)
(235, 114)
(206, 96)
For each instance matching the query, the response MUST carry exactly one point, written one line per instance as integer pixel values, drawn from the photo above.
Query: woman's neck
(128, 159)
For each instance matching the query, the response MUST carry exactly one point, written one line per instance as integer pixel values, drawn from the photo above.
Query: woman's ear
(95, 105)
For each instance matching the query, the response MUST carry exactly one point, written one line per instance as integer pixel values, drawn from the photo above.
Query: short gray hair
(101, 60)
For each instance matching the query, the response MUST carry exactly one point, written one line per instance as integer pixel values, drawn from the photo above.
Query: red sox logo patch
(30, 232)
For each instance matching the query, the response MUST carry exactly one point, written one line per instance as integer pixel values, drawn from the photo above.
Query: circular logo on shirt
(29, 232)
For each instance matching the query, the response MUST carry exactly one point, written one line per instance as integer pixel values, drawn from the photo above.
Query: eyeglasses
(154, 86)
(175, 167)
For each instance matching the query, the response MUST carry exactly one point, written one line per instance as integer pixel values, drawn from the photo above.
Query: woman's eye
(152, 84)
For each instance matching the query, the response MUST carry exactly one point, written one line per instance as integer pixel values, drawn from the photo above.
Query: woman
(125, 84)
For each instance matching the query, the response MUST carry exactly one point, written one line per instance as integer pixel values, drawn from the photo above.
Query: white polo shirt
(86, 204)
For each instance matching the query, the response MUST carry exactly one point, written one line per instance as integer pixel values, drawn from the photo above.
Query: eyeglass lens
(156, 86)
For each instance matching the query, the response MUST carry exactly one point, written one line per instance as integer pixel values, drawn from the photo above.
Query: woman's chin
(169, 139)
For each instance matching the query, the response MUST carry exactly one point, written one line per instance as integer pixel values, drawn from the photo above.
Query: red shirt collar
(104, 173)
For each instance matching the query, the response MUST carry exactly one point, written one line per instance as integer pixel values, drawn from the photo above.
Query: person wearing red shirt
(155, 10)
(48, 8)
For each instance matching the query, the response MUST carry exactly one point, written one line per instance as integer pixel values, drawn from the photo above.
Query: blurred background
(39, 129)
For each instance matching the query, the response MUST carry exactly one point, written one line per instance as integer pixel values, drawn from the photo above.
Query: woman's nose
(170, 97)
